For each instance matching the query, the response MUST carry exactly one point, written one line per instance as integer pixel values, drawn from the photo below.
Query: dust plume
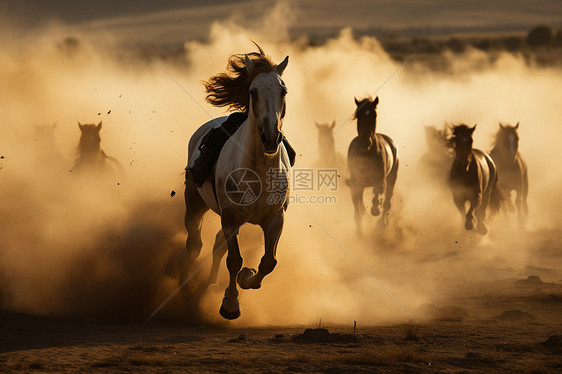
(111, 247)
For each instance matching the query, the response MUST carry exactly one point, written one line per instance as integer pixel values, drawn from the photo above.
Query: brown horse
(436, 162)
(372, 160)
(329, 157)
(512, 169)
(45, 147)
(474, 179)
(91, 158)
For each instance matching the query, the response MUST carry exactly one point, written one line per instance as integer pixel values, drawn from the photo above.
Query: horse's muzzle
(271, 145)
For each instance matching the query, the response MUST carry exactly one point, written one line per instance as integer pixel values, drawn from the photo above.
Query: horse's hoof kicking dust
(245, 277)
(230, 307)
(229, 315)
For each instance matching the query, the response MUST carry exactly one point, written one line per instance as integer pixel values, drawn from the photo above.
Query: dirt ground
(508, 321)
(41, 344)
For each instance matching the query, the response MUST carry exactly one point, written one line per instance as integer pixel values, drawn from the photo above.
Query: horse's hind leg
(195, 208)
(391, 181)
(247, 278)
(219, 250)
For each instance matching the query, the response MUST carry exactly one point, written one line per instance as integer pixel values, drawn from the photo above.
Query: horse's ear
(356, 102)
(517, 126)
(316, 124)
(98, 127)
(473, 128)
(501, 126)
(249, 64)
(281, 67)
(376, 101)
(80, 125)
(333, 125)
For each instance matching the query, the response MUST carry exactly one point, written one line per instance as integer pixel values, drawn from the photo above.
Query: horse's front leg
(521, 209)
(230, 308)
(248, 278)
(524, 206)
(474, 205)
(391, 181)
(359, 207)
(459, 203)
(509, 202)
(481, 216)
(379, 189)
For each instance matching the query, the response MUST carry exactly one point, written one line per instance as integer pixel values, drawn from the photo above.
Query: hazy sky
(175, 20)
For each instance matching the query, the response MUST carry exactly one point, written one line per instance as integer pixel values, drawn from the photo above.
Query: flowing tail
(497, 198)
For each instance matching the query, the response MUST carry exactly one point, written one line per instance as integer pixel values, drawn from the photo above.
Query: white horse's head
(267, 105)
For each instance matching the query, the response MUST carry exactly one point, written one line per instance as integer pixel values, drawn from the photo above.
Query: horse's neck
(377, 146)
(503, 154)
(248, 146)
(375, 138)
(92, 156)
(463, 162)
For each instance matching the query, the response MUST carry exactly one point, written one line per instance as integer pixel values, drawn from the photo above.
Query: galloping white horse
(239, 189)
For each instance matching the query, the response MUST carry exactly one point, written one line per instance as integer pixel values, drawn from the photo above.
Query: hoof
(229, 315)
(375, 211)
(468, 225)
(230, 308)
(245, 277)
(482, 229)
(382, 223)
(359, 232)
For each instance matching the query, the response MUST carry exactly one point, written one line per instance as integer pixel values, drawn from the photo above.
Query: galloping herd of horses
(483, 180)
(253, 84)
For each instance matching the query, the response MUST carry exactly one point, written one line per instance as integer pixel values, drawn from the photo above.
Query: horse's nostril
(263, 138)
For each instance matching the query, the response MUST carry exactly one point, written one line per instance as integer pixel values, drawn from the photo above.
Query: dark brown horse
(436, 162)
(91, 158)
(329, 157)
(512, 169)
(372, 160)
(473, 179)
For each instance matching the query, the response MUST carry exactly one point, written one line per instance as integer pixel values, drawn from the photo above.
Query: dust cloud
(97, 247)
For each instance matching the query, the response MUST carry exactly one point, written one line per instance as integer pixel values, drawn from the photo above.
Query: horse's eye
(254, 93)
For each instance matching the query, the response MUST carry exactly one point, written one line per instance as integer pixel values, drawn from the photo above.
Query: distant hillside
(170, 21)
